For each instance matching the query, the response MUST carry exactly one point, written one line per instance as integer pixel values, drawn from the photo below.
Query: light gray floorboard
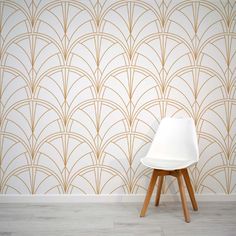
(100, 219)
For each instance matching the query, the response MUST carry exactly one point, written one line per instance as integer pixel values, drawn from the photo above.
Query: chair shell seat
(166, 164)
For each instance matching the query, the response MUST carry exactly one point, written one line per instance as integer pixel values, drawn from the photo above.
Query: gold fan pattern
(84, 84)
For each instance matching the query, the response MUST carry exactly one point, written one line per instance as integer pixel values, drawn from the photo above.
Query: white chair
(174, 148)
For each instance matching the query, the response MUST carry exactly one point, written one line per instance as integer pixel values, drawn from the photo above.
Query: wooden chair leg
(149, 192)
(190, 189)
(158, 196)
(183, 197)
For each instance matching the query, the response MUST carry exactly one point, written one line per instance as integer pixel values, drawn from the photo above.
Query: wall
(84, 84)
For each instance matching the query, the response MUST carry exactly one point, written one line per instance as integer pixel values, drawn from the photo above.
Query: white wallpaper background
(84, 84)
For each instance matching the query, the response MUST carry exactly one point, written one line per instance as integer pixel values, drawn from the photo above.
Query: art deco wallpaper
(84, 85)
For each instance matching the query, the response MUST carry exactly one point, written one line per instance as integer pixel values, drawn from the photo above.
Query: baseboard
(106, 198)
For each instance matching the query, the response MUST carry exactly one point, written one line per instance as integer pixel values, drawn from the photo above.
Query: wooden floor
(215, 218)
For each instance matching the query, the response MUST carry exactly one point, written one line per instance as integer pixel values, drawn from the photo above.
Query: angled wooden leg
(190, 189)
(160, 182)
(183, 197)
(149, 192)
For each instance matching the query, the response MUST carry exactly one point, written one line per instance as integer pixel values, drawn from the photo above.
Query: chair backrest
(176, 139)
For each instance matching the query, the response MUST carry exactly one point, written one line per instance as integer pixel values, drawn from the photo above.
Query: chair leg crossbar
(179, 174)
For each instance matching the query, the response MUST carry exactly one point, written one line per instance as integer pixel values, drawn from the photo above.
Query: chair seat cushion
(166, 164)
